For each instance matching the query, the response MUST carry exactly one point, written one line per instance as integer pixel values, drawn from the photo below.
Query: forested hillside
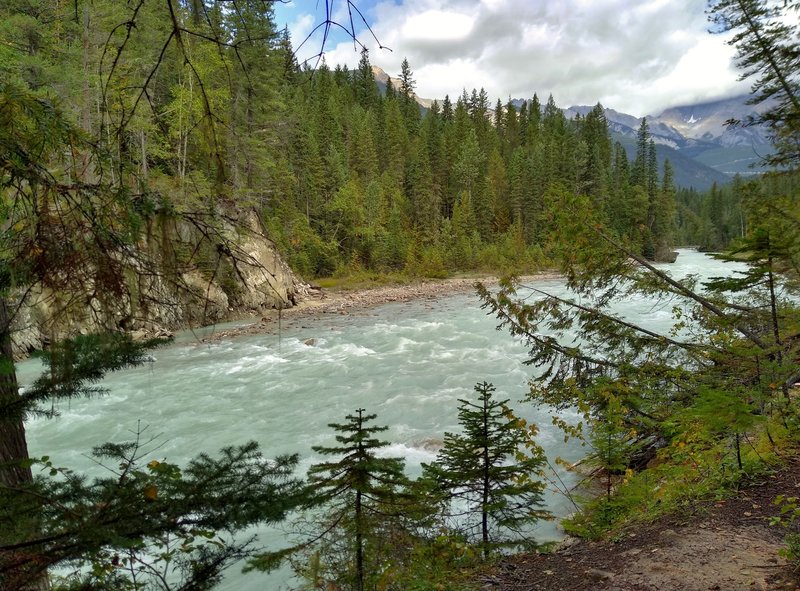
(145, 145)
(343, 176)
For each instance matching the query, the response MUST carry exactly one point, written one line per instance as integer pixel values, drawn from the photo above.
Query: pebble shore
(319, 303)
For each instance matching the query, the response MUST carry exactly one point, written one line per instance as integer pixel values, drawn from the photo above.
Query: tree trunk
(359, 546)
(486, 482)
(13, 446)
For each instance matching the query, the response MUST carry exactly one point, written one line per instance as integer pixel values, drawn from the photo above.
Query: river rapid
(408, 362)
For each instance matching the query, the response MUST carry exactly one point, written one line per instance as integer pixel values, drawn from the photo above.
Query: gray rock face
(156, 302)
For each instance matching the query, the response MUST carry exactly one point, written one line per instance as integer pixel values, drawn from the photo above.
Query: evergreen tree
(664, 214)
(498, 118)
(447, 109)
(639, 169)
(534, 121)
(469, 163)
(92, 176)
(497, 187)
(491, 468)
(424, 196)
(364, 87)
(144, 516)
(511, 127)
(594, 133)
(408, 100)
(359, 491)
(255, 100)
(525, 203)
(394, 145)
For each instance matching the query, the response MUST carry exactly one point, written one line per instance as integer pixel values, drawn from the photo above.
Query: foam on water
(408, 363)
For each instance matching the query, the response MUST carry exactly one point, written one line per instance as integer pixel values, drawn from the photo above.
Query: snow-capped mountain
(699, 132)
(701, 146)
(708, 122)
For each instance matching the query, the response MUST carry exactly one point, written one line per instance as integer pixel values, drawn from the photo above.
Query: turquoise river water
(409, 363)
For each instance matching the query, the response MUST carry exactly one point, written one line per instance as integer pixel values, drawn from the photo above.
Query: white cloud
(437, 25)
(637, 56)
(300, 27)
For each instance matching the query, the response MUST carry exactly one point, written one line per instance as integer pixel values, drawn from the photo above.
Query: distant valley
(696, 139)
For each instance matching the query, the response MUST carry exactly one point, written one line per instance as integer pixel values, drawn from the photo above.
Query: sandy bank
(321, 302)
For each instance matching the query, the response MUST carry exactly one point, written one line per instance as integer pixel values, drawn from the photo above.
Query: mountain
(381, 78)
(699, 133)
(707, 122)
(702, 148)
(688, 171)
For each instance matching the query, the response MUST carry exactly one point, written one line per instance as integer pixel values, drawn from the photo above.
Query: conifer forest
(146, 144)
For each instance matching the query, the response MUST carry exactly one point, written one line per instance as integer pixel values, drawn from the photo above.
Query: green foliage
(680, 481)
(487, 475)
(72, 368)
(766, 42)
(144, 521)
(611, 440)
(789, 512)
(351, 536)
(708, 399)
(444, 562)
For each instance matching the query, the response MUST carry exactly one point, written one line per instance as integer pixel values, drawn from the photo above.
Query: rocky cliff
(241, 275)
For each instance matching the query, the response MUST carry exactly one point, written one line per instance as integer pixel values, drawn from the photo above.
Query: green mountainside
(690, 171)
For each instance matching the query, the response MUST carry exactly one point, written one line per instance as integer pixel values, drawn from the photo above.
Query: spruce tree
(359, 493)
(364, 87)
(489, 471)
(408, 100)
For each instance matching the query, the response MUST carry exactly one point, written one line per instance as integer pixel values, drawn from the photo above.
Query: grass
(685, 476)
(360, 279)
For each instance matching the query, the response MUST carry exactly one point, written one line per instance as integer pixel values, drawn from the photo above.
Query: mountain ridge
(696, 137)
(700, 132)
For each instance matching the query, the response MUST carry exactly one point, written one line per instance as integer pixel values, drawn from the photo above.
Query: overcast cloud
(635, 56)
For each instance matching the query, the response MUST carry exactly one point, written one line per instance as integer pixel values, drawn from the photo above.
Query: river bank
(317, 302)
(726, 544)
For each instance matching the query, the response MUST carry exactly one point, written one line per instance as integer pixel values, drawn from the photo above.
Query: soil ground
(724, 545)
(319, 303)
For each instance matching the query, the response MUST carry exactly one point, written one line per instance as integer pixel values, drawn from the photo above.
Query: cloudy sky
(635, 56)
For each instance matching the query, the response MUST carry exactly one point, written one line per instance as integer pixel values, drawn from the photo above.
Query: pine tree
(492, 467)
(447, 109)
(767, 50)
(511, 127)
(524, 204)
(639, 168)
(594, 132)
(364, 87)
(497, 187)
(255, 102)
(358, 491)
(92, 176)
(534, 121)
(143, 509)
(469, 163)
(408, 100)
(424, 196)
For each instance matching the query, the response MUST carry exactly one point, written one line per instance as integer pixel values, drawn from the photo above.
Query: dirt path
(725, 546)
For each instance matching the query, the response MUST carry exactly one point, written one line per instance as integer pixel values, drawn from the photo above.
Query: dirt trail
(726, 546)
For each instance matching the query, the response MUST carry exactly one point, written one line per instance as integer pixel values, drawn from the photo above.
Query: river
(406, 362)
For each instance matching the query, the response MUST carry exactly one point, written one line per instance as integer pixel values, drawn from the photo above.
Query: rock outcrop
(246, 276)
